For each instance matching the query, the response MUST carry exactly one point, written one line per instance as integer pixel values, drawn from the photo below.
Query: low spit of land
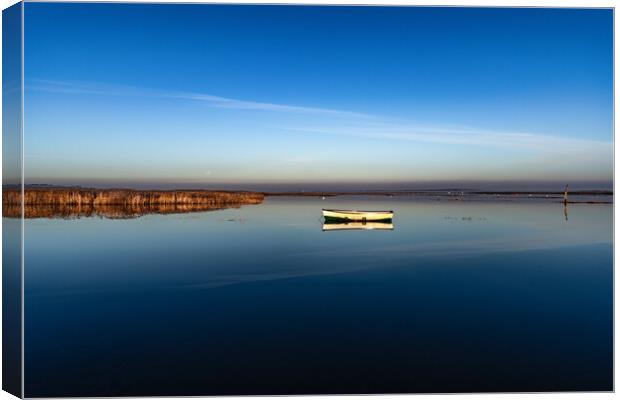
(72, 202)
(118, 203)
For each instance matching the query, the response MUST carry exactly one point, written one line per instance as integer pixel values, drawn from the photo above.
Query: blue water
(458, 297)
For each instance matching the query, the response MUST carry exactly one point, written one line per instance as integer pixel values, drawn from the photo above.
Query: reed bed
(118, 203)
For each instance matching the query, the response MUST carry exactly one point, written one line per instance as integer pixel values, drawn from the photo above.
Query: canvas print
(229, 199)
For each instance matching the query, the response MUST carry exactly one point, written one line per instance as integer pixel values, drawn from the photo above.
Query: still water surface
(459, 296)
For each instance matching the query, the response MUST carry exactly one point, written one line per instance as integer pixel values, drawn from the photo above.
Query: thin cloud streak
(466, 137)
(351, 124)
(225, 102)
(66, 87)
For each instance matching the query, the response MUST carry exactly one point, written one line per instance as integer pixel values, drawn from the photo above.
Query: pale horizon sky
(214, 95)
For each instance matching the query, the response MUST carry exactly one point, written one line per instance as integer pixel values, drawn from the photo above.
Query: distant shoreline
(584, 196)
(436, 193)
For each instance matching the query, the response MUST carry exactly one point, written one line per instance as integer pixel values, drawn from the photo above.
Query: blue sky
(212, 95)
(11, 95)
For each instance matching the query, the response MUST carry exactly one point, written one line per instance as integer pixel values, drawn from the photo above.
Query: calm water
(459, 296)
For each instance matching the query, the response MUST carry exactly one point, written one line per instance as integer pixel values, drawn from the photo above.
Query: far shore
(433, 192)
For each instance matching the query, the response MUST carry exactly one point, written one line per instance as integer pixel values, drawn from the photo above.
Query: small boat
(355, 215)
(342, 226)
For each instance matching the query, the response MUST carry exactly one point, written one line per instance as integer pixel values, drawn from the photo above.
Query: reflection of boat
(354, 215)
(335, 226)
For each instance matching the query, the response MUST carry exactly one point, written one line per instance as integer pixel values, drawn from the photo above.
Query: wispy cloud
(67, 87)
(353, 124)
(449, 135)
(225, 102)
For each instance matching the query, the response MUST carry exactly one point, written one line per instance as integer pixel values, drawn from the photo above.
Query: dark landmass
(589, 202)
(575, 192)
(452, 192)
(578, 196)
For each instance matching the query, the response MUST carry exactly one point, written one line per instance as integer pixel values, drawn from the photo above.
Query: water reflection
(361, 225)
(464, 296)
(128, 211)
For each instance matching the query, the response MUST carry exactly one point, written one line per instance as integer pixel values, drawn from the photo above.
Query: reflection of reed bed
(70, 211)
(75, 203)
